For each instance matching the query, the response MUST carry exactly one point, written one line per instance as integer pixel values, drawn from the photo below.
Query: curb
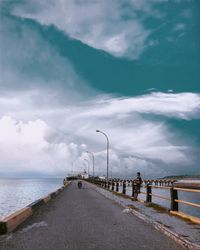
(11, 222)
(185, 243)
(36, 204)
(186, 216)
(180, 240)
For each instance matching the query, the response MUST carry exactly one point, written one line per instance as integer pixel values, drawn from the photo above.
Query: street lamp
(89, 152)
(88, 165)
(73, 172)
(99, 131)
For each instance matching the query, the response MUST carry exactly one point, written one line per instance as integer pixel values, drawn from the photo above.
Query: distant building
(84, 176)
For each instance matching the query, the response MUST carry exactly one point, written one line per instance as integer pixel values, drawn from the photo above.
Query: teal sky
(129, 68)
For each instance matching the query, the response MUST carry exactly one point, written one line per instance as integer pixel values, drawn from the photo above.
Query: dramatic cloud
(25, 148)
(30, 62)
(49, 113)
(57, 139)
(106, 25)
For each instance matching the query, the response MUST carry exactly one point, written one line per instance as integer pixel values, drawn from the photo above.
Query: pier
(85, 219)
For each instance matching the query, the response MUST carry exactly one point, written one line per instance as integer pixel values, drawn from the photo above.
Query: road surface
(84, 219)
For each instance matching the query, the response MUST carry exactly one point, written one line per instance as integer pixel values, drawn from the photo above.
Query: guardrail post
(124, 187)
(133, 189)
(113, 185)
(174, 196)
(109, 184)
(148, 197)
(117, 186)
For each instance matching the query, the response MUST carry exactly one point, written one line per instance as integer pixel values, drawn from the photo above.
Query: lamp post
(88, 165)
(99, 131)
(89, 152)
(73, 172)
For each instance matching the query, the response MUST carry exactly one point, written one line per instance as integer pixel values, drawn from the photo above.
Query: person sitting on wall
(138, 183)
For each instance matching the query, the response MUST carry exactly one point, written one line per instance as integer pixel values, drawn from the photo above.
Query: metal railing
(116, 184)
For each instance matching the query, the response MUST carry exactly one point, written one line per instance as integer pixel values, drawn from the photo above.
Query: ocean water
(18, 193)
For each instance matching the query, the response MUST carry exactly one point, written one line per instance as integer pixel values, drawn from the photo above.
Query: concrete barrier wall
(11, 222)
(47, 198)
(36, 204)
(15, 219)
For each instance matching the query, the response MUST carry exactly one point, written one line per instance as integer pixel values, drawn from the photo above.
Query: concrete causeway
(84, 219)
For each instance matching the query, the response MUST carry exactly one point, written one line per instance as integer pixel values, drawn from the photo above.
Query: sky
(129, 68)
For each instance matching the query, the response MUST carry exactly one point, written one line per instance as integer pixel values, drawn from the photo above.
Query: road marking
(34, 225)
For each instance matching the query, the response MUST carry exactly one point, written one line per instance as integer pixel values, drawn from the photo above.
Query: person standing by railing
(138, 183)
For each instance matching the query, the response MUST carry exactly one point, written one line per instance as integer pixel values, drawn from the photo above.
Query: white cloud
(48, 117)
(54, 139)
(25, 148)
(99, 24)
(182, 106)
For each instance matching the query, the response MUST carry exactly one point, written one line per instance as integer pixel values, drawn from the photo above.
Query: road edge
(12, 221)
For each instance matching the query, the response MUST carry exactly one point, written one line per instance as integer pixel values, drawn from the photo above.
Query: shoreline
(188, 183)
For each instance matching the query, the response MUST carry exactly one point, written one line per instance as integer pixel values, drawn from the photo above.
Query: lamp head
(97, 131)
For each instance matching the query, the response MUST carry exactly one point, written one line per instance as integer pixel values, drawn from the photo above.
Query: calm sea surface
(18, 193)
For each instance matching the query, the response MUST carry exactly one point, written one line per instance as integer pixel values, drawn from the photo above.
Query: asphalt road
(84, 219)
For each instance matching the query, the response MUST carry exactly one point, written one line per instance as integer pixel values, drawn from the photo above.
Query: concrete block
(47, 198)
(53, 194)
(36, 204)
(15, 219)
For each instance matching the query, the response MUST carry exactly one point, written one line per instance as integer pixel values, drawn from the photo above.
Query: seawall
(11, 222)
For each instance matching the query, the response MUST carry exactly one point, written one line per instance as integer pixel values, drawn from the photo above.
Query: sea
(18, 193)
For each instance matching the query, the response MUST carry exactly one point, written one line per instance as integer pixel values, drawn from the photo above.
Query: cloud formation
(29, 62)
(49, 113)
(25, 148)
(108, 25)
(57, 139)
(182, 105)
